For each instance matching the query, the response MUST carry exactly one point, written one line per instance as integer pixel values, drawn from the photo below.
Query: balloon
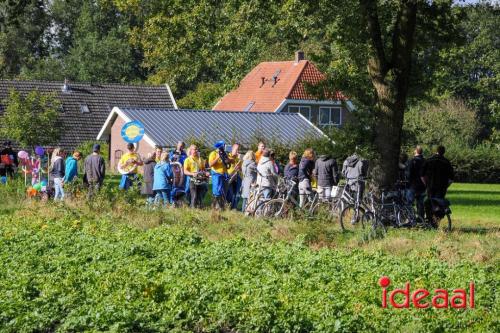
(37, 186)
(23, 155)
(31, 192)
(39, 151)
(43, 183)
(3, 180)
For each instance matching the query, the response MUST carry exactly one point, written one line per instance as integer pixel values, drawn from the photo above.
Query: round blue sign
(133, 131)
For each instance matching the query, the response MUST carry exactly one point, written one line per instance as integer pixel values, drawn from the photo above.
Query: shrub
(449, 122)
(477, 165)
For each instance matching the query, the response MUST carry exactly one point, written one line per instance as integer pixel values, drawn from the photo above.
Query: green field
(115, 266)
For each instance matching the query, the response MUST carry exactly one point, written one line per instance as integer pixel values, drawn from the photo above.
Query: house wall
(118, 146)
(345, 114)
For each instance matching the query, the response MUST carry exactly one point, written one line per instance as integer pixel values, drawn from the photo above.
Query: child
(161, 184)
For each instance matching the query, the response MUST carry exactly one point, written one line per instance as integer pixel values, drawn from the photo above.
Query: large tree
(23, 28)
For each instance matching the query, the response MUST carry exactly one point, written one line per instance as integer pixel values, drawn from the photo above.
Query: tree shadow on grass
(476, 230)
(473, 202)
(473, 192)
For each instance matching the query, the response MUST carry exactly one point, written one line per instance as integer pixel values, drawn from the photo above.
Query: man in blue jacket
(71, 171)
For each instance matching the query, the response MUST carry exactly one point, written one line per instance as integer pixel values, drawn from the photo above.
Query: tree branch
(403, 36)
(370, 13)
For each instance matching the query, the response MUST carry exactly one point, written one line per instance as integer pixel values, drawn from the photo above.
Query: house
(164, 127)
(85, 106)
(280, 87)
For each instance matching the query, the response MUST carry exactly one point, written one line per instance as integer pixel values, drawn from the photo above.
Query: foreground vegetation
(116, 266)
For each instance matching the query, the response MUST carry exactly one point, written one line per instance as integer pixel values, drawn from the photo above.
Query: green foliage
(470, 70)
(76, 273)
(22, 28)
(86, 148)
(101, 51)
(203, 97)
(480, 164)
(31, 120)
(451, 122)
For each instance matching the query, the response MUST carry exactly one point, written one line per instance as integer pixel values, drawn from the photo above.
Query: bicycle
(353, 208)
(282, 206)
(440, 209)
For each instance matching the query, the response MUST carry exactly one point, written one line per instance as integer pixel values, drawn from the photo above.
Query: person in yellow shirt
(219, 163)
(194, 169)
(260, 150)
(234, 174)
(127, 166)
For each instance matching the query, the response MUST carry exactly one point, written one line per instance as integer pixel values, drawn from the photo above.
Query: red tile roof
(267, 95)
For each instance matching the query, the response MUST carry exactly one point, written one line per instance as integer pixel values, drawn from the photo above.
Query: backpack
(365, 164)
(6, 159)
(177, 174)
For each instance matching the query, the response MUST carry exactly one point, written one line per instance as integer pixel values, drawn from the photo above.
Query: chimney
(65, 87)
(299, 55)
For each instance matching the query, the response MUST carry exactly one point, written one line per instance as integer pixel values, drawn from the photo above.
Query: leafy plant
(32, 119)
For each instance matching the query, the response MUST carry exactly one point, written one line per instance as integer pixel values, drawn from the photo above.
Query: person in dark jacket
(148, 176)
(8, 160)
(292, 168)
(416, 188)
(94, 170)
(437, 175)
(57, 172)
(402, 169)
(326, 172)
(306, 168)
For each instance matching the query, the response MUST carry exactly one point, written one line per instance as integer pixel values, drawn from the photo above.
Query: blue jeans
(267, 192)
(218, 184)
(58, 188)
(162, 195)
(412, 195)
(244, 202)
(233, 192)
(127, 181)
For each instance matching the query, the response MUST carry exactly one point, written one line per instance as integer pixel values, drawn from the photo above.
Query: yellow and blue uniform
(219, 174)
(234, 187)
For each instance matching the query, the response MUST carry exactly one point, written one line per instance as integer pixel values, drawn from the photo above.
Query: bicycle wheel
(351, 220)
(322, 210)
(377, 227)
(271, 208)
(337, 206)
(405, 217)
(252, 205)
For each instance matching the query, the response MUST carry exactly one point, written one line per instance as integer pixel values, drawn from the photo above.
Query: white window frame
(330, 121)
(300, 107)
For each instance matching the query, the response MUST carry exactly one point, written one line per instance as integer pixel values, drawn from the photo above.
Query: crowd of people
(180, 176)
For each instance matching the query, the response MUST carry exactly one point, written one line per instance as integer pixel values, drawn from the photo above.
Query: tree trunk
(390, 78)
(388, 128)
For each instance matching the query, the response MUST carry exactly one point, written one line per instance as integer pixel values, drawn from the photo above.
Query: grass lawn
(475, 205)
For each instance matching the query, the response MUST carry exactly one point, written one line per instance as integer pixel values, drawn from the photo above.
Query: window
(330, 116)
(303, 110)
(84, 108)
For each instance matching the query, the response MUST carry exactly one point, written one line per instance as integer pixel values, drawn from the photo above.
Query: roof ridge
(90, 83)
(198, 110)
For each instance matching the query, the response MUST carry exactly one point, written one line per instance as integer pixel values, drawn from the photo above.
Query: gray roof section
(167, 126)
(98, 98)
